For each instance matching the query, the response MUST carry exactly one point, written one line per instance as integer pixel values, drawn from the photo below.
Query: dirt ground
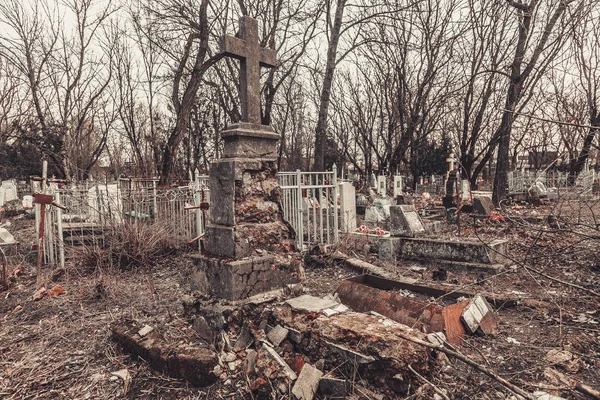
(60, 347)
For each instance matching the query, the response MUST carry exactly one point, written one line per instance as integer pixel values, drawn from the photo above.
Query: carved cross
(252, 57)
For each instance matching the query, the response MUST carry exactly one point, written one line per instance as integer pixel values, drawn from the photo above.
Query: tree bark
(321, 129)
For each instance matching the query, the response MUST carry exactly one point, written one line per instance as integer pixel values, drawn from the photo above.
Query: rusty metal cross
(252, 57)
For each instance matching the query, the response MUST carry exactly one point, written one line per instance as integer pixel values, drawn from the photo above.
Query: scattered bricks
(277, 335)
(306, 386)
(478, 314)
(183, 361)
(334, 388)
(296, 362)
(286, 368)
(361, 337)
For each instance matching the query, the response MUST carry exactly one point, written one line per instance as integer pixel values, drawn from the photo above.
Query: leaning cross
(252, 57)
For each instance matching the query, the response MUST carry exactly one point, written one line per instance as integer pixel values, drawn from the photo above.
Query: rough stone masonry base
(239, 279)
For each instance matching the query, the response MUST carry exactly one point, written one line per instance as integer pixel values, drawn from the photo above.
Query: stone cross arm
(252, 56)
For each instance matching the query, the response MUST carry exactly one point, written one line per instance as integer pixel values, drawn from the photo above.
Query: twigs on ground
(437, 390)
(510, 386)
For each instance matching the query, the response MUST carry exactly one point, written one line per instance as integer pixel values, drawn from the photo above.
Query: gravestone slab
(8, 192)
(465, 189)
(347, 207)
(404, 221)
(483, 205)
(398, 189)
(381, 186)
(372, 214)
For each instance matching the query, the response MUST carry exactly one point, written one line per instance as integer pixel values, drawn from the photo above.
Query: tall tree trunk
(321, 129)
(517, 80)
(184, 106)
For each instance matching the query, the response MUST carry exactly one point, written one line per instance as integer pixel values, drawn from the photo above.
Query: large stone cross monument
(248, 244)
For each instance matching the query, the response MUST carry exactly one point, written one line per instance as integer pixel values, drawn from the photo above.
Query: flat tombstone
(381, 186)
(397, 185)
(404, 221)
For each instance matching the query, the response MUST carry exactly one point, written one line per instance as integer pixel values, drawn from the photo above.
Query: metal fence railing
(561, 183)
(309, 201)
(310, 205)
(92, 211)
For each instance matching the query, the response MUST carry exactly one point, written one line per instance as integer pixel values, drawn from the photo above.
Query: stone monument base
(240, 279)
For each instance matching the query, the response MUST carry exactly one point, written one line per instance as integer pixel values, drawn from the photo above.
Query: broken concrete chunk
(6, 236)
(145, 330)
(179, 360)
(546, 396)
(310, 303)
(353, 341)
(294, 335)
(306, 386)
(244, 339)
(277, 335)
(478, 314)
(340, 308)
(228, 357)
(288, 371)
(41, 292)
(437, 338)
(334, 387)
(250, 362)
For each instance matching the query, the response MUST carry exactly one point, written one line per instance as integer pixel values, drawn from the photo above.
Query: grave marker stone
(347, 207)
(465, 189)
(404, 221)
(483, 205)
(244, 190)
(382, 186)
(398, 189)
(372, 214)
(10, 191)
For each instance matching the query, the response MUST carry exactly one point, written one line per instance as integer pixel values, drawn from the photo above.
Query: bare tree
(526, 70)
(586, 44)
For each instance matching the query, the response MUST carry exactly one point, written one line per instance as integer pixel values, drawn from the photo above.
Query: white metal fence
(586, 182)
(309, 201)
(93, 211)
(310, 205)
